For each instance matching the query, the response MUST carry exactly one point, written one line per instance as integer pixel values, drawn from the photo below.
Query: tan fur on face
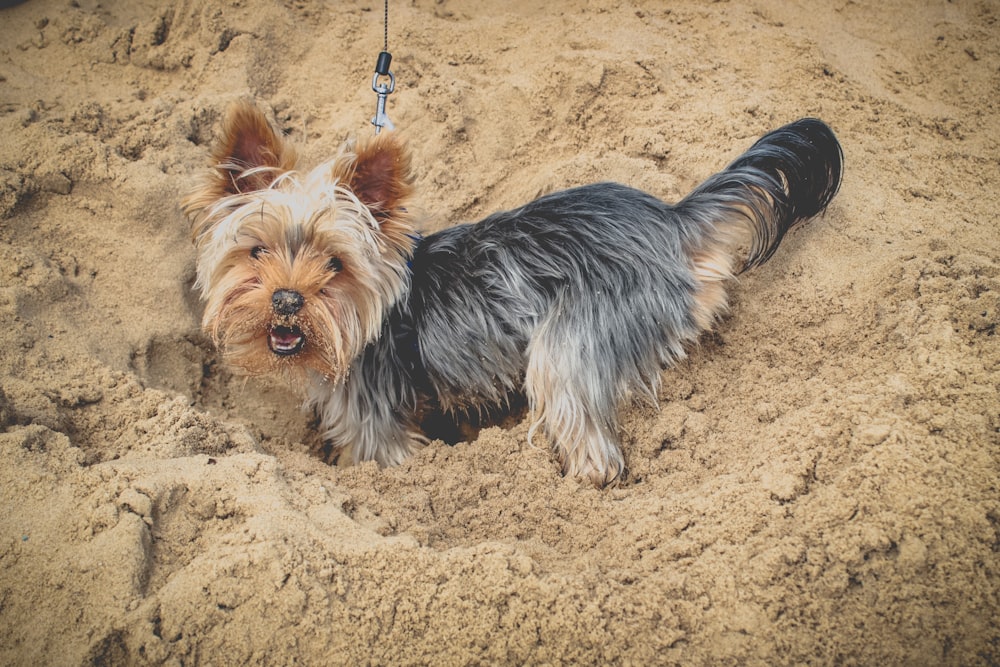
(261, 227)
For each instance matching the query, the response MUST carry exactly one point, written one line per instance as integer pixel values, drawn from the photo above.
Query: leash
(382, 87)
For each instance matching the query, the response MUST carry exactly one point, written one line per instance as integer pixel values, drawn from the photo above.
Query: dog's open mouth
(285, 341)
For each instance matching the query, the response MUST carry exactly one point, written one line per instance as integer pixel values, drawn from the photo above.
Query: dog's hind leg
(572, 397)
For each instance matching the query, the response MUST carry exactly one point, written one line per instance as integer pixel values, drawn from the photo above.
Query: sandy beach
(819, 484)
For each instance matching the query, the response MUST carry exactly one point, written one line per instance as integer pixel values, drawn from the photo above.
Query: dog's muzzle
(281, 339)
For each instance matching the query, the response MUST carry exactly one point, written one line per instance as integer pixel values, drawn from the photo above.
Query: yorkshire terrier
(575, 299)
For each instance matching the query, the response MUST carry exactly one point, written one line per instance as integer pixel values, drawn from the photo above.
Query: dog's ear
(380, 176)
(249, 154)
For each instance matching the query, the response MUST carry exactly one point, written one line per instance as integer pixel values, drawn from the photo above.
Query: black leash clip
(383, 90)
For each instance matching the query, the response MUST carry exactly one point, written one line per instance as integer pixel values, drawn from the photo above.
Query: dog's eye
(257, 251)
(334, 265)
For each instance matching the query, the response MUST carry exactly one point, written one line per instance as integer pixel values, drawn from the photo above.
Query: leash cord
(385, 24)
(381, 88)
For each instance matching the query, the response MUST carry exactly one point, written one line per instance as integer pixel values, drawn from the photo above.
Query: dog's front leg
(363, 422)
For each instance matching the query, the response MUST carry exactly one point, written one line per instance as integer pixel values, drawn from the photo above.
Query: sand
(818, 485)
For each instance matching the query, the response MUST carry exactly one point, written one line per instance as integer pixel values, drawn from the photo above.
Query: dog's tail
(789, 175)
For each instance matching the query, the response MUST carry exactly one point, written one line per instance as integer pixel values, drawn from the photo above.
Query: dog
(573, 300)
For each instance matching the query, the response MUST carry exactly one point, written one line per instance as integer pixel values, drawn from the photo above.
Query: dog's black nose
(286, 302)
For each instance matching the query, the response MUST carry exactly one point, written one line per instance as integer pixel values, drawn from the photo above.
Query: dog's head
(296, 269)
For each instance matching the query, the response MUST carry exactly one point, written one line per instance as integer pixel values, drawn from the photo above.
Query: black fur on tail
(789, 175)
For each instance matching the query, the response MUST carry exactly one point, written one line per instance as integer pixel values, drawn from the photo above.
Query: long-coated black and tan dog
(574, 299)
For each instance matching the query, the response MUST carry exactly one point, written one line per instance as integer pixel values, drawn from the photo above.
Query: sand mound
(819, 484)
